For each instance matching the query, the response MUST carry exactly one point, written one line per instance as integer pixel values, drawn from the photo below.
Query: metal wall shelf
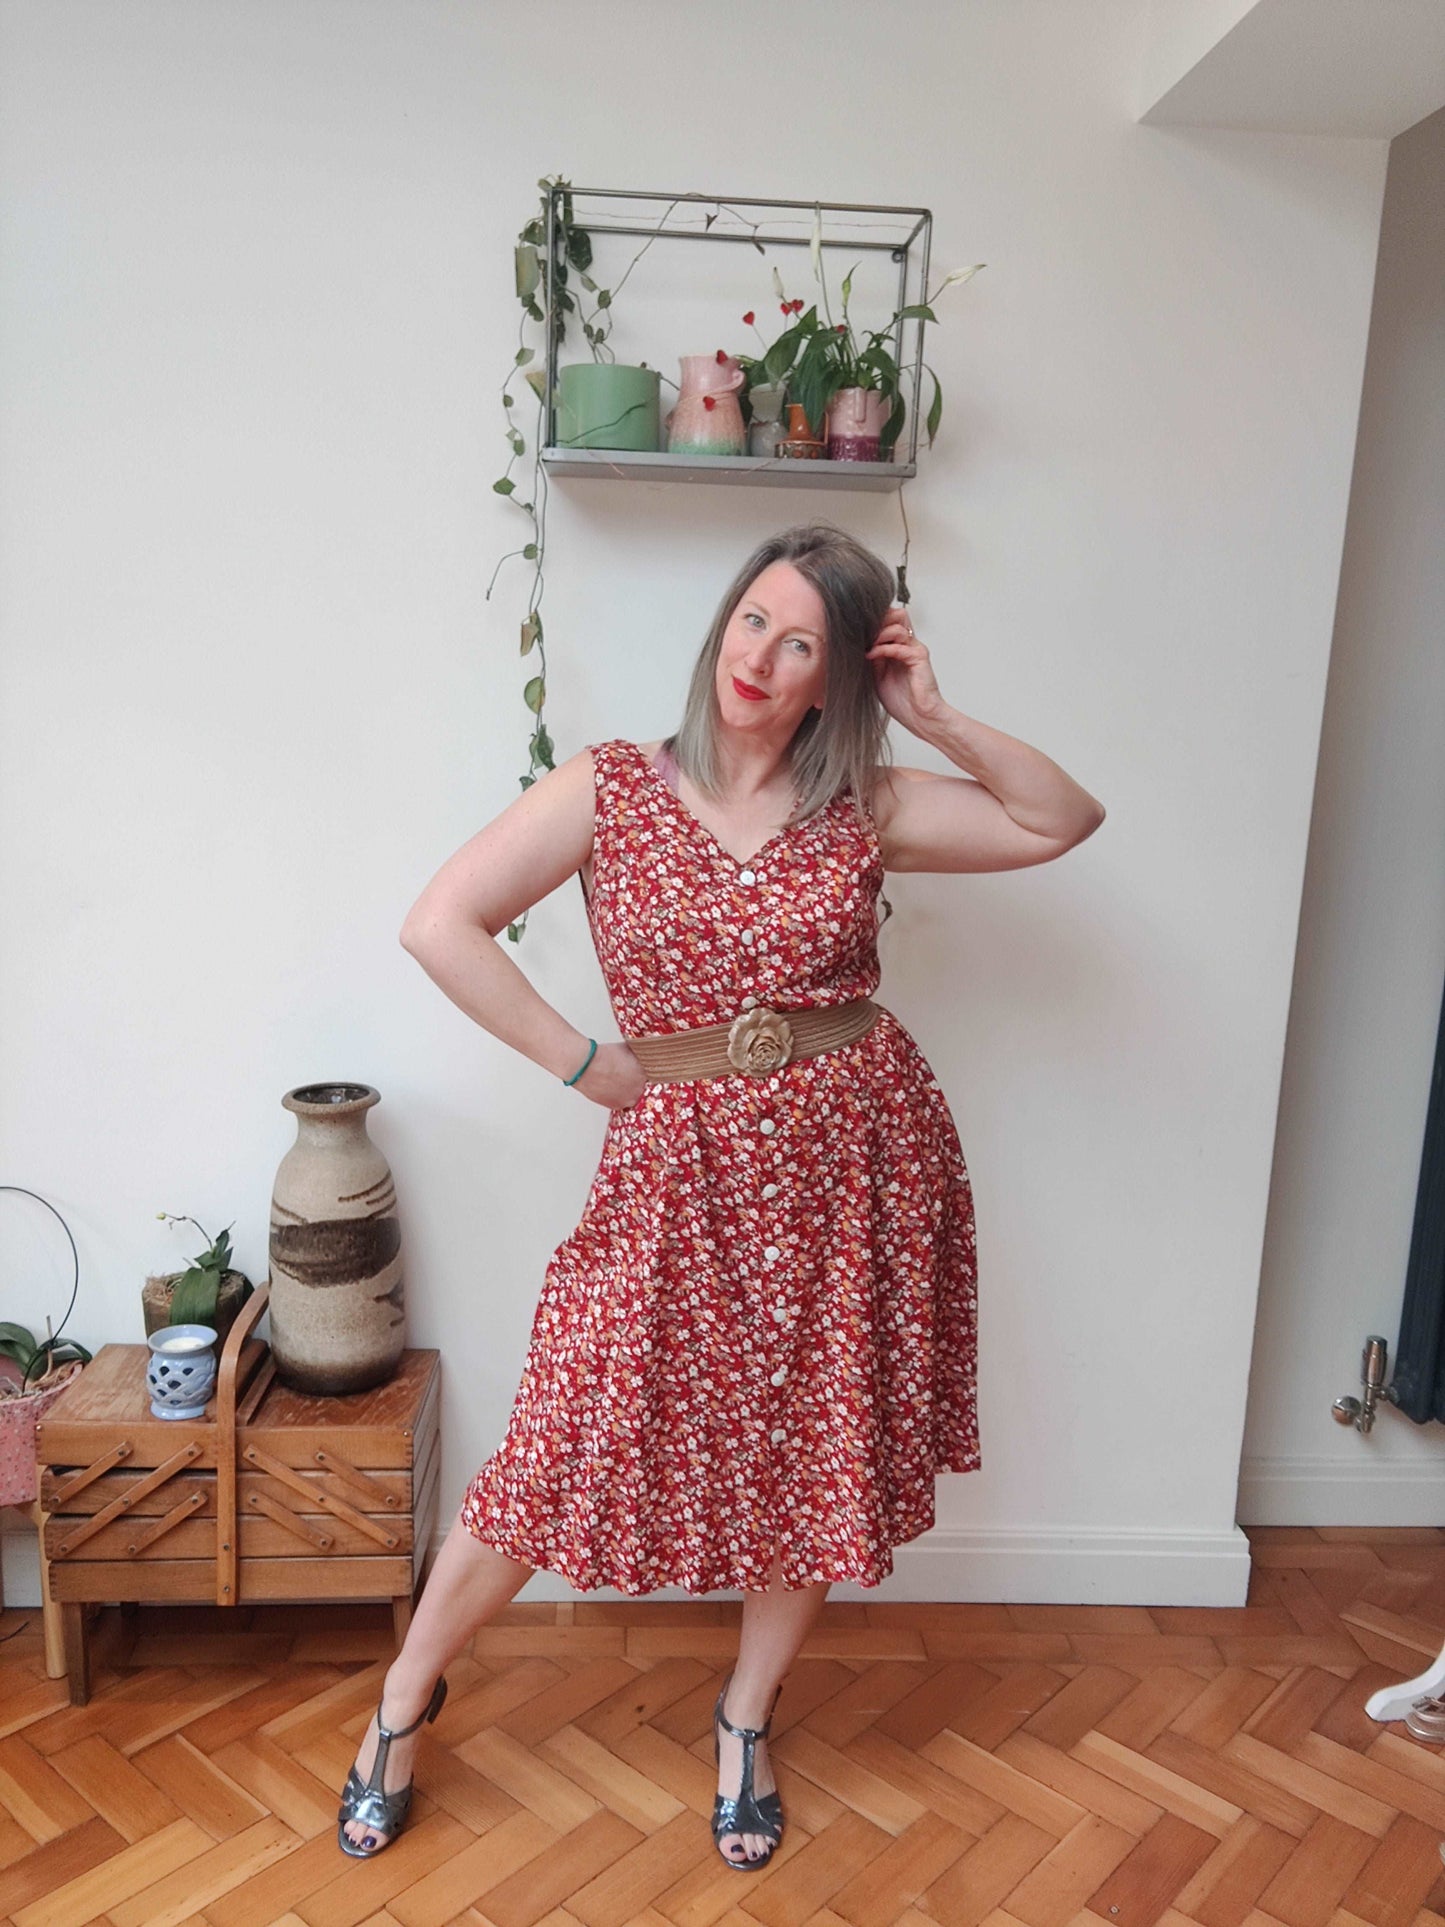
(897, 239)
(768, 471)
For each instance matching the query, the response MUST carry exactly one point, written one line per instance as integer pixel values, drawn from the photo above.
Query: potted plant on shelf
(593, 401)
(765, 377)
(857, 389)
(207, 1292)
(603, 403)
(33, 1374)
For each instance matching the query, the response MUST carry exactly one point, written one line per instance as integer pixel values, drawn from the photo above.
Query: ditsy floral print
(761, 1338)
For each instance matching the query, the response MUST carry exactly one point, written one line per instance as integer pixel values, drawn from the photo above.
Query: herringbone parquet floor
(971, 1765)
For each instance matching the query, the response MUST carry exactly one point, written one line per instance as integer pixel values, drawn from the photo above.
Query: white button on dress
(779, 1375)
(778, 1435)
(780, 1314)
(767, 1127)
(771, 1252)
(770, 1190)
(747, 876)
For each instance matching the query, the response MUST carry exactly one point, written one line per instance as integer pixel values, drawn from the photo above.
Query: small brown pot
(155, 1301)
(800, 444)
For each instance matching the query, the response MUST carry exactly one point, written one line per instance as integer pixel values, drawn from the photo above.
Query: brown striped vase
(338, 1318)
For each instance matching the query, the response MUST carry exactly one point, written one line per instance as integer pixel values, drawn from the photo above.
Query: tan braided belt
(758, 1042)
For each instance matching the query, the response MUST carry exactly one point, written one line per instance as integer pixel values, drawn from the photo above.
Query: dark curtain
(1419, 1376)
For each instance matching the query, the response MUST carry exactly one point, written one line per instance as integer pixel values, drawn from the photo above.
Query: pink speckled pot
(18, 1417)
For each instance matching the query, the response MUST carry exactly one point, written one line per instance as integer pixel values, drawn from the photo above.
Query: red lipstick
(748, 693)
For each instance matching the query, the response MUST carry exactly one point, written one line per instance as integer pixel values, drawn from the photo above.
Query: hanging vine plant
(536, 276)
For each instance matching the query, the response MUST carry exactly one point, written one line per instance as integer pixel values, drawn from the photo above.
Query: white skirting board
(1327, 1492)
(1030, 1566)
(985, 1564)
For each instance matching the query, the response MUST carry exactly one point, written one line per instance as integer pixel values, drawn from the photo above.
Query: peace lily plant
(823, 357)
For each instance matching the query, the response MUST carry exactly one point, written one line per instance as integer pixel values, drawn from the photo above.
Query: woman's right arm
(520, 857)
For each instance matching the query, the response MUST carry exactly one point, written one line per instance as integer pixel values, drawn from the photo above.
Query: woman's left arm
(1015, 806)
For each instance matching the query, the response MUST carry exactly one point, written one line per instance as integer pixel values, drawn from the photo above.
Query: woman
(758, 1347)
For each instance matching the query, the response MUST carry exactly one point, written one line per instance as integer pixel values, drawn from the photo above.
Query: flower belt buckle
(759, 1041)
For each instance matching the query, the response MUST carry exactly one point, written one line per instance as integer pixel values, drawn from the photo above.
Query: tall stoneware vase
(338, 1322)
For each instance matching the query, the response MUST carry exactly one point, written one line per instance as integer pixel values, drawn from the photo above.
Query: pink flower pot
(856, 420)
(18, 1418)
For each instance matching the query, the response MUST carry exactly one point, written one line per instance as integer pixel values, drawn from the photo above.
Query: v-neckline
(740, 862)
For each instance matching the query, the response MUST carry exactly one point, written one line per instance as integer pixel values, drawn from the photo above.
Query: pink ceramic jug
(707, 418)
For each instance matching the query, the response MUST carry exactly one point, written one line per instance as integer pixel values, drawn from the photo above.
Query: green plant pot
(606, 405)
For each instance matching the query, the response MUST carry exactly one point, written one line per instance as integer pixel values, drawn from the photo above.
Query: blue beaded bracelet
(585, 1062)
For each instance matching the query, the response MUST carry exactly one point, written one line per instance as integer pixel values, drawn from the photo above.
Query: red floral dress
(762, 1336)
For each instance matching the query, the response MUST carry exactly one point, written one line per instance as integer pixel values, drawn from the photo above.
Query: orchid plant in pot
(208, 1292)
(33, 1374)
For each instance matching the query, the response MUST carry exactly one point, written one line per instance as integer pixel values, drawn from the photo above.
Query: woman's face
(773, 661)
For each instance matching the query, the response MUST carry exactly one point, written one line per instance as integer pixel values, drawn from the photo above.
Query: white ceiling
(1362, 68)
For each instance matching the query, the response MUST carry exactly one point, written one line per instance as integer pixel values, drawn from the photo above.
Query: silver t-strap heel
(366, 1801)
(746, 1813)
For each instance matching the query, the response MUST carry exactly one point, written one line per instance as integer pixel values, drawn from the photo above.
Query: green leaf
(514, 930)
(534, 693)
(935, 412)
(529, 635)
(506, 401)
(193, 1300)
(537, 380)
(527, 782)
(524, 355)
(919, 311)
(505, 487)
(519, 447)
(530, 307)
(529, 554)
(604, 298)
(528, 270)
(13, 1334)
(588, 283)
(542, 746)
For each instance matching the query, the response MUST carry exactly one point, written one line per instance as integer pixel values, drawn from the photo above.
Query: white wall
(256, 313)
(1371, 960)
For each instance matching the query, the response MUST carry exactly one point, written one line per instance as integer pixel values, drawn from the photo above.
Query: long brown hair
(834, 748)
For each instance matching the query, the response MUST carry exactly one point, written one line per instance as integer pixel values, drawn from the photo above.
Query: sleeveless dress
(761, 1338)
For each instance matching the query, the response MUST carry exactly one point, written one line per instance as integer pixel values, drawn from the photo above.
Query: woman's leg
(775, 1624)
(468, 1583)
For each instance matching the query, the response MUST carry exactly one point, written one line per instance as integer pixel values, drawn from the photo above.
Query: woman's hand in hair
(907, 687)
